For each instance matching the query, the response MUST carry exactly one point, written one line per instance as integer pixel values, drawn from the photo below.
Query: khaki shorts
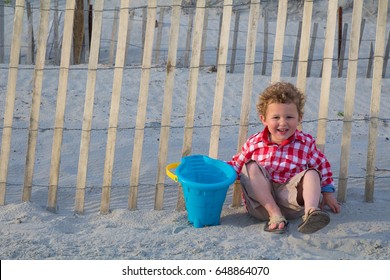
(285, 196)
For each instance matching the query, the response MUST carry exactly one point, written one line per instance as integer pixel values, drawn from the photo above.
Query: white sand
(28, 231)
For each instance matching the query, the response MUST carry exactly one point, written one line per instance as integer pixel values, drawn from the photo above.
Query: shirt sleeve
(239, 159)
(328, 189)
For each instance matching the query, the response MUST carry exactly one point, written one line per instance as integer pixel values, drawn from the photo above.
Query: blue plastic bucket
(205, 182)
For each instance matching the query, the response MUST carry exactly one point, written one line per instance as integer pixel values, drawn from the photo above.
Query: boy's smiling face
(282, 120)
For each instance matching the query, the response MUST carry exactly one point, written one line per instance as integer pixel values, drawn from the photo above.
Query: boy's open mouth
(282, 130)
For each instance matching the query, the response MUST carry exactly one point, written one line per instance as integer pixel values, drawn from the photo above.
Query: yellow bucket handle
(168, 170)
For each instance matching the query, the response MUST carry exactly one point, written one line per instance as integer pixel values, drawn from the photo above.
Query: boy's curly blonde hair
(281, 92)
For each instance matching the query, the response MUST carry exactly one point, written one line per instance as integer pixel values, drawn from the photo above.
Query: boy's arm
(319, 161)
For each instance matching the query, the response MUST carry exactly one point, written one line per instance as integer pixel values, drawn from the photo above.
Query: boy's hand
(328, 199)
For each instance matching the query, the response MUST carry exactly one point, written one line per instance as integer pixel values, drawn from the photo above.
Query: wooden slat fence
(195, 54)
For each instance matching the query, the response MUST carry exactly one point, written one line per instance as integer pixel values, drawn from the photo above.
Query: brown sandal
(314, 220)
(276, 220)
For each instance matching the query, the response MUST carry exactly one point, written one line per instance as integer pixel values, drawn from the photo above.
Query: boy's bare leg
(262, 192)
(309, 191)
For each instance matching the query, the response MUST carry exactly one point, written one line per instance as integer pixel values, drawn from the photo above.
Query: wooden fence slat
(363, 24)
(78, 33)
(349, 99)
(342, 51)
(188, 38)
(114, 109)
(375, 99)
(326, 74)
(60, 106)
(279, 41)
(36, 99)
(296, 51)
(220, 80)
(129, 27)
(2, 31)
(144, 20)
(370, 61)
(142, 104)
(10, 97)
(56, 47)
(88, 107)
(340, 32)
(192, 87)
(265, 44)
(194, 71)
(386, 58)
(219, 37)
(167, 104)
(159, 35)
(86, 47)
(113, 36)
(312, 47)
(304, 47)
(247, 87)
(204, 36)
(30, 32)
(235, 37)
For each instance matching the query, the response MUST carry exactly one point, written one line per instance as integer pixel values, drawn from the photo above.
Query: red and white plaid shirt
(283, 161)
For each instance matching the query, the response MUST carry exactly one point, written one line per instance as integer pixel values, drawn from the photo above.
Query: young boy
(282, 173)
